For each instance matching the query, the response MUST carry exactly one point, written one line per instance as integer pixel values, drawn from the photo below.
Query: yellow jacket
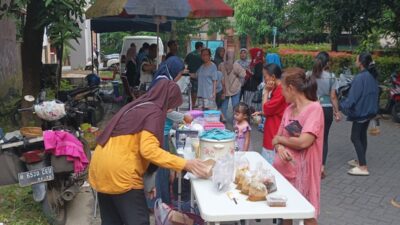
(118, 167)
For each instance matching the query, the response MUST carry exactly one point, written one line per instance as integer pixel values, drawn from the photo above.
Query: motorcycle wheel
(55, 213)
(396, 112)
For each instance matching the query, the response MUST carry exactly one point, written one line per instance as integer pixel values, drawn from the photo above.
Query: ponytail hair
(366, 61)
(320, 63)
(301, 82)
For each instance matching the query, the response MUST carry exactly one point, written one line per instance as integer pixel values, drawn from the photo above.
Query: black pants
(129, 208)
(359, 139)
(328, 118)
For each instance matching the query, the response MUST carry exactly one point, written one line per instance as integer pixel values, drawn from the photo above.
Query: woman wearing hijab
(128, 147)
(252, 81)
(244, 61)
(219, 56)
(171, 69)
(233, 74)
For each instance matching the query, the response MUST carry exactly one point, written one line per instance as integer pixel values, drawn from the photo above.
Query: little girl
(242, 126)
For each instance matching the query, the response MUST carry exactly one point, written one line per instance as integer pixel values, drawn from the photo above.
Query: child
(242, 126)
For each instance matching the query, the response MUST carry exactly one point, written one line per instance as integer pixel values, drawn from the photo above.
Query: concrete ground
(345, 199)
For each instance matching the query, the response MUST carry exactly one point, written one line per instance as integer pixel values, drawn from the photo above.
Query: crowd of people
(299, 107)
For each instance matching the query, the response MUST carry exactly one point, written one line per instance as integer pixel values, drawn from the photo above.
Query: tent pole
(91, 47)
(158, 34)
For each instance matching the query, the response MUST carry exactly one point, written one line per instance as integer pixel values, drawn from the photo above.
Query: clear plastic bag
(223, 173)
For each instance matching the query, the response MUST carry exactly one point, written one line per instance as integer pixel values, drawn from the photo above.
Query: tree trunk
(60, 52)
(31, 52)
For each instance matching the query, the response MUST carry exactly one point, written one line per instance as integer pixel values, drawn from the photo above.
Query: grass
(17, 207)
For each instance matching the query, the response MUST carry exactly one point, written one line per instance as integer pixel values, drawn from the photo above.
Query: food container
(215, 144)
(214, 125)
(212, 115)
(196, 113)
(182, 135)
(276, 200)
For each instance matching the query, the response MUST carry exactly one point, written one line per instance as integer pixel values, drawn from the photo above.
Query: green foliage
(218, 25)
(18, 208)
(257, 17)
(112, 42)
(385, 65)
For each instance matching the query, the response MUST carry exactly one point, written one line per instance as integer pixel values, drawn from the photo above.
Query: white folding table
(216, 207)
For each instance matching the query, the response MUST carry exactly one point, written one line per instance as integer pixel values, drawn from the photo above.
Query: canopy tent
(114, 24)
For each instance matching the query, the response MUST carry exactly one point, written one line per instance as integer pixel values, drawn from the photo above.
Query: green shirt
(193, 60)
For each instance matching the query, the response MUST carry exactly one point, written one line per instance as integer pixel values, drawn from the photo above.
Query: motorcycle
(24, 160)
(87, 99)
(389, 95)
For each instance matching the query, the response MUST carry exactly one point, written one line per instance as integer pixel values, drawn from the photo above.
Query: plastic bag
(266, 177)
(50, 110)
(223, 173)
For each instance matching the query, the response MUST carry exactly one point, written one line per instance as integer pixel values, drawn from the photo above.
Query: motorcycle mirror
(29, 98)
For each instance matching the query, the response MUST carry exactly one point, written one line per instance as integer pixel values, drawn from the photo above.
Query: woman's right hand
(283, 153)
(197, 167)
(270, 85)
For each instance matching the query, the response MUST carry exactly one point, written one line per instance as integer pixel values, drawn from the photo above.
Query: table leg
(216, 223)
(300, 222)
(179, 191)
(191, 198)
(247, 222)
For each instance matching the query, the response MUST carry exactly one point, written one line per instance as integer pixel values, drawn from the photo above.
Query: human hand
(197, 167)
(259, 113)
(337, 116)
(270, 85)
(223, 96)
(283, 153)
(187, 119)
(172, 175)
(152, 194)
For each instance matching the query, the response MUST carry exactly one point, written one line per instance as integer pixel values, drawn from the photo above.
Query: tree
(257, 17)
(60, 17)
(63, 25)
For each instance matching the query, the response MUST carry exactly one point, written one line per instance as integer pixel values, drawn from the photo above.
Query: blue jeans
(162, 181)
(235, 101)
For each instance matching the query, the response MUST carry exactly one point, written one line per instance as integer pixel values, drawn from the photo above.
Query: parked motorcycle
(24, 161)
(87, 99)
(390, 97)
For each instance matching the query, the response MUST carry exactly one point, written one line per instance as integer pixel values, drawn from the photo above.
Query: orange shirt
(119, 166)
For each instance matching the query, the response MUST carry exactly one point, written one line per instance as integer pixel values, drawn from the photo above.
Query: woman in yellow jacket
(128, 148)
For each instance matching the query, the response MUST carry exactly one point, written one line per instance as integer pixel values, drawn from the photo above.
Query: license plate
(36, 176)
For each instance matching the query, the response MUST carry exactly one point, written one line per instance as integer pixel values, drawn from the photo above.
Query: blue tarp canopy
(115, 23)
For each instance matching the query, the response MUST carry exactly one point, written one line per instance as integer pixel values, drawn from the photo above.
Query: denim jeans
(235, 100)
(162, 181)
(359, 139)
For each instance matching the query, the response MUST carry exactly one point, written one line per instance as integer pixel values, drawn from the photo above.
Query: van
(139, 40)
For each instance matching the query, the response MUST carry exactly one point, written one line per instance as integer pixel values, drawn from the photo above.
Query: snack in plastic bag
(257, 191)
(223, 173)
(265, 176)
(270, 183)
(245, 185)
(242, 166)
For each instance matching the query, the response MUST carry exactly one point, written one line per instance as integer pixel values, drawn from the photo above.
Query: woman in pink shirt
(299, 140)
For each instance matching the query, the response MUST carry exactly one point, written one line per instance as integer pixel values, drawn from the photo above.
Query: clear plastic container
(212, 115)
(276, 200)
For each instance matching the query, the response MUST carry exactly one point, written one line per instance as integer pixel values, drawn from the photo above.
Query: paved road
(345, 200)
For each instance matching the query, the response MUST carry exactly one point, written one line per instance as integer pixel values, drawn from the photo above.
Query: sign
(274, 30)
(36, 176)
